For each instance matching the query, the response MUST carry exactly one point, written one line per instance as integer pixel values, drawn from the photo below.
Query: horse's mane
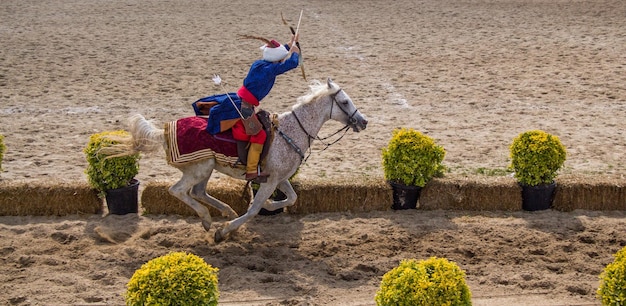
(318, 89)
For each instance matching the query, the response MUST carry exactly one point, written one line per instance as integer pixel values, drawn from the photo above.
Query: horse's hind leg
(199, 193)
(182, 191)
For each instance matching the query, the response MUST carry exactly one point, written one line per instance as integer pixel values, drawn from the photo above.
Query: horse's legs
(264, 192)
(287, 189)
(199, 193)
(182, 191)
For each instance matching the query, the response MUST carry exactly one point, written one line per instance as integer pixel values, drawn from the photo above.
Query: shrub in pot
(536, 156)
(177, 278)
(612, 290)
(434, 281)
(110, 170)
(410, 160)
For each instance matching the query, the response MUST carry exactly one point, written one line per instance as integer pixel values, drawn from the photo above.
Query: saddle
(187, 141)
(242, 146)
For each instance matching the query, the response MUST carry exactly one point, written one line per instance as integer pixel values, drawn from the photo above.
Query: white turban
(274, 54)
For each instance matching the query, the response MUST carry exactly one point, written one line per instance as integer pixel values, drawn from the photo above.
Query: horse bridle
(351, 119)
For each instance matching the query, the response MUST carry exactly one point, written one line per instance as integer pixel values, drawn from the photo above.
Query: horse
(296, 129)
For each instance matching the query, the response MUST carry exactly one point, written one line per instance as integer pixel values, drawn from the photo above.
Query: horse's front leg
(264, 192)
(287, 189)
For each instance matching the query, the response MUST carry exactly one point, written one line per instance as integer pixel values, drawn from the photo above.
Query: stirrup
(257, 177)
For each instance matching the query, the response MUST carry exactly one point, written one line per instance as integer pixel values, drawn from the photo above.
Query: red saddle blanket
(187, 141)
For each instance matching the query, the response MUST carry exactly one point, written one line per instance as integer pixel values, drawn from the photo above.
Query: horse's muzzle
(359, 124)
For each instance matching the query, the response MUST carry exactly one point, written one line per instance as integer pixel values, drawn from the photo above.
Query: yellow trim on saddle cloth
(175, 158)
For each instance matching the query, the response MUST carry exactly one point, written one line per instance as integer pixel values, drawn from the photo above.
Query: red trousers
(239, 133)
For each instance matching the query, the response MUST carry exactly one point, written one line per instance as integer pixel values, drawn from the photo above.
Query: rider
(276, 60)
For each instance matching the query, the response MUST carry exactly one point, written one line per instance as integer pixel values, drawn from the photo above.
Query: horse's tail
(142, 136)
(145, 136)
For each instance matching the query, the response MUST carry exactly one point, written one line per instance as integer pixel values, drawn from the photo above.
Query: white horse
(295, 131)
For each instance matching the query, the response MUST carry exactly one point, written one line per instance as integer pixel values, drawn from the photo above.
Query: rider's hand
(295, 49)
(294, 40)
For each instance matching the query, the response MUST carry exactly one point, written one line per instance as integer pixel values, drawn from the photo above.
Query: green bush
(434, 281)
(535, 157)
(109, 170)
(612, 290)
(177, 278)
(412, 158)
(3, 148)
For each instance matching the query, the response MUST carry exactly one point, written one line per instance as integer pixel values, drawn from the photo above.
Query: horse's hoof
(218, 236)
(206, 225)
(231, 215)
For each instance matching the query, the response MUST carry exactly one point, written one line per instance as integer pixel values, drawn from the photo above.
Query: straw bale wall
(339, 196)
(156, 200)
(477, 193)
(47, 198)
(590, 193)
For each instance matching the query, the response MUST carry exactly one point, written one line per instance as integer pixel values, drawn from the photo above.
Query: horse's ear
(329, 82)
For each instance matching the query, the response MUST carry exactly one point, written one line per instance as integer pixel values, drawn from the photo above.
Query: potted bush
(536, 156)
(612, 290)
(177, 278)
(434, 281)
(111, 173)
(410, 160)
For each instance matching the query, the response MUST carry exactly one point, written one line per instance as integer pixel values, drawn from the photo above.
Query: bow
(293, 32)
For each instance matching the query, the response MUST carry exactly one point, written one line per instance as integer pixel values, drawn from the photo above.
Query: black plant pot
(538, 197)
(123, 200)
(405, 197)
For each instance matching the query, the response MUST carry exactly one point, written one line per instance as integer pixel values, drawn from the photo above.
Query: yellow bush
(536, 156)
(434, 281)
(106, 172)
(612, 289)
(412, 158)
(177, 278)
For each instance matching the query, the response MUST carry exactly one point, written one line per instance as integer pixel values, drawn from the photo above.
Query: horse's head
(343, 110)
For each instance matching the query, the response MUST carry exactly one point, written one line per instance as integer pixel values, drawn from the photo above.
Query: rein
(345, 129)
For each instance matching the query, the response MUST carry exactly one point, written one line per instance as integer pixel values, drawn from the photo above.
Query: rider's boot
(252, 168)
(242, 152)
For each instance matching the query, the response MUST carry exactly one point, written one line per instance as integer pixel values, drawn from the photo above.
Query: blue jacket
(262, 75)
(259, 82)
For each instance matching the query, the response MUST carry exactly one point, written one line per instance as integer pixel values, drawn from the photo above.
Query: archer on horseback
(277, 59)
(236, 111)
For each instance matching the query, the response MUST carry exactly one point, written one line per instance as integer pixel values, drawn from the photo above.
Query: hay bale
(471, 193)
(313, 196)
(341, 195)
(589, 193)
(156, 200)
(47, 198)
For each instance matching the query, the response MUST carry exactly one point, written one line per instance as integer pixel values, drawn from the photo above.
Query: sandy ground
(471, 74)
(519, 258)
